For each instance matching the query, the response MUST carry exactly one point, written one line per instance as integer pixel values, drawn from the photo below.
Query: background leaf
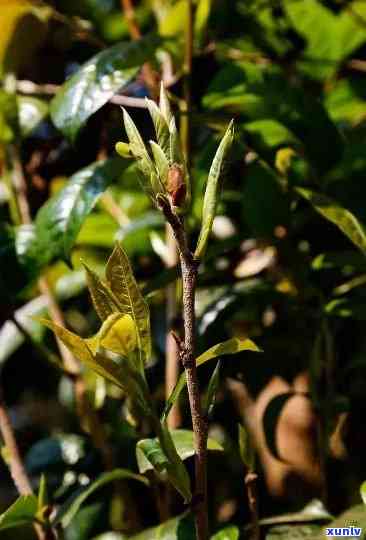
(22, 512)
(97, 81)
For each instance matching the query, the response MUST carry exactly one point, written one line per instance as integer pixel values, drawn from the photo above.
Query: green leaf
(164, 105)
(97, 81)
(138, 149)
(177, 528)
(213, 385)
(31, 111)
(212, 190)
(174, 20)
(130, 300)
(59, 221)
(117, 334)
(260, 92)
(265, 205)
(229, 533)
(164, 457)
(22, 512)
(161, 163)
(231, 346)
(161, 126)
(337, 214)
(71, 507)
(363, 492)
(42, 493)
(246, 448)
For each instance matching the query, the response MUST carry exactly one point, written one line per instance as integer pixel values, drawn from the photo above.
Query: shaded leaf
(246, 448)
(130, 300)
(337, 214)
(69, 509)
(59, 221)
(97, 81)
(231, 346)
(212, 190)
(22, 512)
(177, 528)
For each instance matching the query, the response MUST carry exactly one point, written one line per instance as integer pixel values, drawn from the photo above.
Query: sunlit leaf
(138, 148)
(102, 297)
(161, 162)
(71, 506)
(117, 334)
(161, 126)
(231, 346)
(213, 385)
(212, 190)
(97, 81)
(32, 111)
(22, 512)
(228, 533)
(130, 300)
(337, 214)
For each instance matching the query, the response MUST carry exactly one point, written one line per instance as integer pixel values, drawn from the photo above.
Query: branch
(189, 268)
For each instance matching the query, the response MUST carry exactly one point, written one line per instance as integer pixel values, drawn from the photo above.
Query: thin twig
(251, 487)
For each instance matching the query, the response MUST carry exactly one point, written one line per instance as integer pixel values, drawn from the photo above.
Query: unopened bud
(176, 185)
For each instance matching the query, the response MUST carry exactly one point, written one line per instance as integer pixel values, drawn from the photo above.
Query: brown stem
(189, 267)
(14, 460)
(251, 486)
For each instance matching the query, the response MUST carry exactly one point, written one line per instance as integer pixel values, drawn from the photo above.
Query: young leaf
(176, 154)
(22, 512)
(123, 149)
(164, 105)
(42, 493)
(130, 300)
(247, 452)
(161, 163)
(79, 348)
(211, 391)
(97, 81)
(102, 297)
(137, 146)
(231, 346)
(59, 221)
(337, 214)
(72, 505)
(212, 190)
(161, 126)
(117, 334)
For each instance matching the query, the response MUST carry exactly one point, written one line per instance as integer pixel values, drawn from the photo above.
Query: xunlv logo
(343, 531)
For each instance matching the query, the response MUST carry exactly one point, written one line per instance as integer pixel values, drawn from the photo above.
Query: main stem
(189, 268)
(189, 278)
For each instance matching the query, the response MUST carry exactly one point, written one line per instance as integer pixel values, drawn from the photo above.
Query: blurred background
(286, 265)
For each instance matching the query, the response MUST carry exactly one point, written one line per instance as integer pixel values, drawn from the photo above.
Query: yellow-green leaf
(212, 190)
(337, 214)
(137, 146)
(160, 124)
(102, 297)
(161, 163)
(231, 346)
(130, 300)
(164, 105)
(117, 334)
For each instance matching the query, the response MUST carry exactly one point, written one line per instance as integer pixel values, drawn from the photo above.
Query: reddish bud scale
(176, 186)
